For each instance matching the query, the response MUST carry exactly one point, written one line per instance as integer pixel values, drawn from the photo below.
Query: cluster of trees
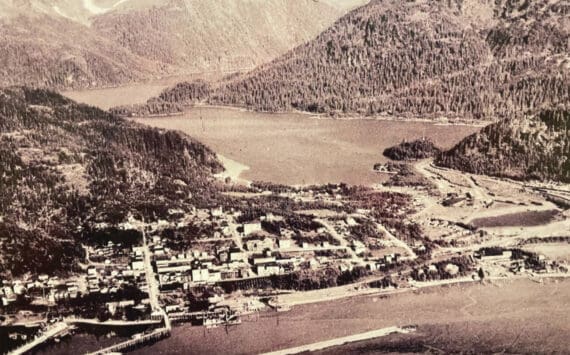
(315, 238)
(384, 204)
(254, 208)
(464, 265)
(303, 280)
(367, 232)
(101, 237)
(535, 147)
(406, 175)
(390, 209)
(553, 239)
(414, 150)
(384, 283)
(123, 169)
(182, 238)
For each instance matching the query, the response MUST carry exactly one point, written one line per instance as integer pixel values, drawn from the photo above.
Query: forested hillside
(59, 53)
(66, 168)
(536, 147)
(414, 150)
(464, 58)
(94, 43)
(171, 101)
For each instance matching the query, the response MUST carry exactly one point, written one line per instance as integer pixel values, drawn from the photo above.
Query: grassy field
(554, 251)
(523, 219)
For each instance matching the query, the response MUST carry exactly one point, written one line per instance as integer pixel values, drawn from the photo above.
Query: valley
(280, 177)
(458, 213)
(319, 242)
(75, 44)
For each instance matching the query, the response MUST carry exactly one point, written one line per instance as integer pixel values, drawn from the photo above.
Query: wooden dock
(113, 323)
(53, 331)
(340, 341)
(133, 344)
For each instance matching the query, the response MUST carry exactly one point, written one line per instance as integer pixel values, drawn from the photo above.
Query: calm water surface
(111, 97)
(476, 313)
(300, 149)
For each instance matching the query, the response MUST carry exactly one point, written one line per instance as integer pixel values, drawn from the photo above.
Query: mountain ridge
(423, 59)
(145, 40)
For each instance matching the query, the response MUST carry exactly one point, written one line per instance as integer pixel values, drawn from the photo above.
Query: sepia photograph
(279, 177)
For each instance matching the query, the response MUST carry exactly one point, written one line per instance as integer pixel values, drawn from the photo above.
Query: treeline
(535, 147)
(446, 269)
(65, 168)
(303, 280)
(153, 107)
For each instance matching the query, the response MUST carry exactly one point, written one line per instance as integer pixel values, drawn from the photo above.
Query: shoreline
(233, 170)
(341, 292)
(334, 314)
(365, 334)
(443, 121)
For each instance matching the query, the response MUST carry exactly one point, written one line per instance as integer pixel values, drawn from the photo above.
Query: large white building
(249, 228)
(200, 275)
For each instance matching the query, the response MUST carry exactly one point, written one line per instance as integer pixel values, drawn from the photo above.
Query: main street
(152, 282)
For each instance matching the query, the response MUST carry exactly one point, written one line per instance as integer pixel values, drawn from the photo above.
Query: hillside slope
(59, 53)
(66, 168)
(93, 43)
(462, 58)
(536, 147)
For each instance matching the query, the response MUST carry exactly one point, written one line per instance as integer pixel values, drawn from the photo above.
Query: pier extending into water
(57, 329)
(340, 341)
(132, 344)
(113, 323)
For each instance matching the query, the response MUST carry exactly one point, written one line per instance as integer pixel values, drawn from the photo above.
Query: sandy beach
(233, 170)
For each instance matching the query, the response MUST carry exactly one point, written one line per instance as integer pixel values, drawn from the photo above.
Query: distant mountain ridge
(504, 61)
(465, 58)
(95, 43)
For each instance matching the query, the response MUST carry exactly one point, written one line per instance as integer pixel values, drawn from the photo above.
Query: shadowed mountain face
(65, 168)
(536, 147)
(469, 59)
(89, 43)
